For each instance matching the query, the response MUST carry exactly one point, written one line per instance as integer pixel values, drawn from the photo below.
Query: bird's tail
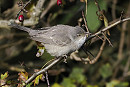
(12, 24)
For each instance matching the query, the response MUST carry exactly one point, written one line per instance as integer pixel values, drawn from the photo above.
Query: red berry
(21, 18)
(59, 2)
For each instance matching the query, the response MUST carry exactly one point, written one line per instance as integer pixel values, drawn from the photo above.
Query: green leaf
(112, 83)
(92, 85)
(117, 83)
(29, 85)
(77, 75)
(67, 82)
(92, 19)
(56, 85)
(36, 81)
(105, 21)
(106, 70)
(4, 76)
(123, 84)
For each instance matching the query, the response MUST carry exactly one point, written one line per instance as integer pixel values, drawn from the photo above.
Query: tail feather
(20, 27)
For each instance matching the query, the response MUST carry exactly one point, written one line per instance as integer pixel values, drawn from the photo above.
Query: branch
(90, 37)
(107, 28)
(23, 8)
(33, 20)
(44, 70)
(122, 38)
(51, 3)
(98, 55)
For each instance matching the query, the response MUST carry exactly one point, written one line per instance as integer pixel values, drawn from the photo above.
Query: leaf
(117, 83)
(112, 83)
(77, 75)
(56, 85)
(105, 21)
(9, 82)
(36, 81)
(4, 76)
(92, 19)
(67, 82)
(92, 85)
(23, 76)
(123, 84)
(106, 70)
(106, 24)
(29, 85)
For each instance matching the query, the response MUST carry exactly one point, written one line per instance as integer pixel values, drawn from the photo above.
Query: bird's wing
(56, 36)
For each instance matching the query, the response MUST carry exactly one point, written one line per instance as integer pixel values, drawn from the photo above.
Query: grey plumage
(58, 40)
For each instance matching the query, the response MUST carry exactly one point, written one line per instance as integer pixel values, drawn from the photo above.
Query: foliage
(91, 16)
(18, 53)
(106, 71)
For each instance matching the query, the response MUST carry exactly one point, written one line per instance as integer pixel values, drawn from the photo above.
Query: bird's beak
(87, 34)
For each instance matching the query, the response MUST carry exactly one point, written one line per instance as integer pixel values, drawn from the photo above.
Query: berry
(21, 18)
(59, 2)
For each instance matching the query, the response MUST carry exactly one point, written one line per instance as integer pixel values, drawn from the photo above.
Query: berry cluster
(21, 17)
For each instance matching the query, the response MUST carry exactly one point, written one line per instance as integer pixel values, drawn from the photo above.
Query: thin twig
(44, 70)
(51, 3)
(98, 55)
(107, 28)
(23, 8)
(121, 45)
(96, 3)
(99, 37)
(85, 21)
(47, 79)
(90, 37)
(107, 39)
(122, 39)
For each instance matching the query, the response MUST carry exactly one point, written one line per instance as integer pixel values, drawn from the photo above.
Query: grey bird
(58, 40)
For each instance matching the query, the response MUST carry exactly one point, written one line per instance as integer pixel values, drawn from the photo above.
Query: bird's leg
(65, 58)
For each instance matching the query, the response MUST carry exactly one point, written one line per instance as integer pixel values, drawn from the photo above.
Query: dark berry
(59, 2)
(21, 18)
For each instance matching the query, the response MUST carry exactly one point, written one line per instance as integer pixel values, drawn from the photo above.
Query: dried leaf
(106, 24)
(36, 81)
(4, 76)
(23, 76)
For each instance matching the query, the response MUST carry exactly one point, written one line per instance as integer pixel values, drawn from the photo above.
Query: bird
(58, 40)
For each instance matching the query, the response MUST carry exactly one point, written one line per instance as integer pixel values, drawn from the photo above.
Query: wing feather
(56, 36)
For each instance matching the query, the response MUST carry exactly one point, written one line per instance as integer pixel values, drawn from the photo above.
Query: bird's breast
(80, 42)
